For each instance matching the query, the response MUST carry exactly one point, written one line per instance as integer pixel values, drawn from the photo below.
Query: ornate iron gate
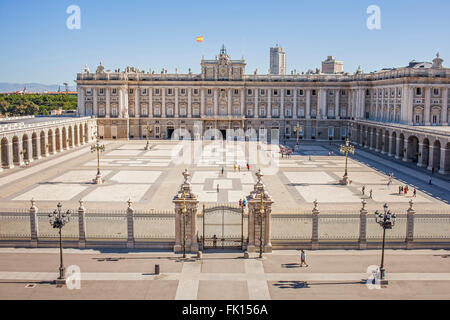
(223, 227)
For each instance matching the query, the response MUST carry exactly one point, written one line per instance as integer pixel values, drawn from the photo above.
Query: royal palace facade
(327, 106)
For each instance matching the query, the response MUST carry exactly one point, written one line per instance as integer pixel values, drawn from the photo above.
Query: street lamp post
(149, 129)
(346, 149)
(98, 147)
(184, 211)
(298, 129)
(261, 214)
(386, 220)
(57, 220)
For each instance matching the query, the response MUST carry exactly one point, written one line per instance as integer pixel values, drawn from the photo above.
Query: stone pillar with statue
(259, 211)
(186, 206)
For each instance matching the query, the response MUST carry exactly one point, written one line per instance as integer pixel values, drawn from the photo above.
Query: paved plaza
(150, 178)
(340, 274)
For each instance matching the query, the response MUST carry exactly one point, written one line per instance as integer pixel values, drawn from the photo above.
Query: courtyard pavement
(121, 274)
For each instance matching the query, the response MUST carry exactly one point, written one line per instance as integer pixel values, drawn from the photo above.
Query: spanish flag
(200, 39)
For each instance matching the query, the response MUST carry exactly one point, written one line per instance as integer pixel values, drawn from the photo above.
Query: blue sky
(38, 47)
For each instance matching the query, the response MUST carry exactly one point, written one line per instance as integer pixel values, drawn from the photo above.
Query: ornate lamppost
(149, 129)
(57, 220)
(184, 211)
(386, 220)
(298, 129)
(261, 214)
(98, 147)
(346, 149)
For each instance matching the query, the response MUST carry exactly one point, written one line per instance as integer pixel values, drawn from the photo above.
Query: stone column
(150, 102)
(242, 102)
(315, 227)
(137, 104)
(176, 102)
(81, 226)
(336, 104)
(38, 146)
(308, 104)
(80, 102)
(444, 113)
(34, 225)
(108, 102)
(259, 198)
(410, 226)
(377, 141)
(186, 207)
(430, 157)
(216, 102)
(282, 104)
(363, 226)
(94, 101)
(426, 111)
(371, 147)
(391, 139)
(189, 110)
(255, 109)
(130, 226)
(202, 102)
(269, 103)
(420, 158)
(397, 148)
(229, 111)
(322, 104)
(30, 148)
(294, 108)
(406, 153)
(442, 161)
(163, 102)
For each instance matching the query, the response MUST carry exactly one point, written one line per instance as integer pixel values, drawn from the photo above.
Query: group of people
(242, 202)
(286, 152)
(404, 190)
(363, 191)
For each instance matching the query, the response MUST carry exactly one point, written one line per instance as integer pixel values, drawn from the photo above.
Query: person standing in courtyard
(248, 167)
(405, 190)
(222, 170)
(239, 168)
(370, 194)
(363, 189)
(217, 187)
(429, 181)
(234, 167)
(302, 258)
(414, 192)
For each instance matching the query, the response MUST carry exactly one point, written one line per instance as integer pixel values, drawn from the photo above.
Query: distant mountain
(33, 87)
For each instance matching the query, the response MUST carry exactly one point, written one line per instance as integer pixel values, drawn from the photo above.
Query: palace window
(236, 110)
(236, 91)
(275, 112)
(195, 111)
(114, 91)
(169, 91)
(418, 91)
(262, 92)
(170, 111)
(157, 91)
(301, 92)
(343, 92)
(183, 91)
(114, 111)
(183, 111)
(89, 91)
(144, 111)
(331, 92)
(249, 92)
(275, 92)
(367, 92)
(399, 92)
(313, 92)
(262, 112)
(436, 91)
(288, 92)
(196, 91)
(131, 91)
(100, 90)
(101, 111)
(249, 112)
(157, 111)
(144, 91)
(209, 91)
(435, 118)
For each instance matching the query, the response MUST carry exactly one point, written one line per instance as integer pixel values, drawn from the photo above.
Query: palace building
(328, 104)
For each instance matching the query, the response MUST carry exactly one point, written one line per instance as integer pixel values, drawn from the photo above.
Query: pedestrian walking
(406, 188)
(240, 202)
(244, 202)
(405, 191)
(370, 194)
(248, 167)
(234, 167)
(399, 190)
(414, 192)
(429, 181)
(363, 189)
(217, 187)
(239, 168)
(302, 258)
(222, 170)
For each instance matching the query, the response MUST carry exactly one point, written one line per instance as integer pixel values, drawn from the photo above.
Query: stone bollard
(410, 226)
(156, 268)
(315, 227)
(33, 225)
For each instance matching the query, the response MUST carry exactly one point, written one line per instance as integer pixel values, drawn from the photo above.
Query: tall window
(418, 91)
(131, 91)
(114, 91)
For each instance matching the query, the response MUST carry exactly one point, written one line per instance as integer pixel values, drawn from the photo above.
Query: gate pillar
(186, 206)
(259, 198)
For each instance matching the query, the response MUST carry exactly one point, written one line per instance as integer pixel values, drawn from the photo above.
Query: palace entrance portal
(224, 227)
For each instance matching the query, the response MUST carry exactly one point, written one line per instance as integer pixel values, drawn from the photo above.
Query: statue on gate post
(186, 205)
(259, 210)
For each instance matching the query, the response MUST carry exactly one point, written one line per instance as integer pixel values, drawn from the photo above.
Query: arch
(6, 162)
(16, 150)
(58, 139)
(50, 142)
(445, 166)
(412, 149)
(43, 145)
(401, 145)
(393, 148)
(385, 148)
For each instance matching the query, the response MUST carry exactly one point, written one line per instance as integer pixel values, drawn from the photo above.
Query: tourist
(244, 202)
(234, 167)
(248, 167)
(217, 187)
(222, 170)
(370, 194)
(414, 192)
(239, 168)
(363, 189)
(302, 258)
(240, 202)
(399, 190)
(429, 181)
(405, 190)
